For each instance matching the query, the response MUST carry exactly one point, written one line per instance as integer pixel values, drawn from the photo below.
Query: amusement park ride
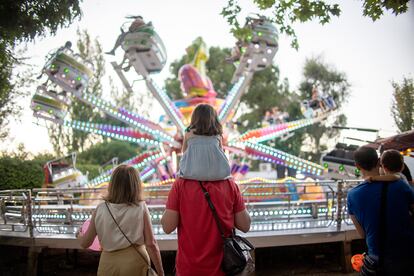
(145, 52)
(274, 205)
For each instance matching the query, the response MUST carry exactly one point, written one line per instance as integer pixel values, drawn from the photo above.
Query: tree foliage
(329, 82)
(402, 107)
(287, 12)
(23, 21)
(103, 152)
(17, 173)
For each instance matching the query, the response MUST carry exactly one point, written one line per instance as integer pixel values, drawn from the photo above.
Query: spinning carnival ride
(145, 52)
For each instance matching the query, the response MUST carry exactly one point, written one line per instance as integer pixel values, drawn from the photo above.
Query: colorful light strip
(105, 178)
(129, 118)
(112, 133)
(274, 131)
(230, 99)
(169, 107)
(269, 154)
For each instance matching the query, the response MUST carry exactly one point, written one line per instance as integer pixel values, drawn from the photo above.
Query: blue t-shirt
(364, 203)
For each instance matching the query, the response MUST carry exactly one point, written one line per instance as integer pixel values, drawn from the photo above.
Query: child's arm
(386, 178)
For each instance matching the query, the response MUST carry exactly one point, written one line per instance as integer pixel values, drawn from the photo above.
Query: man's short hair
(366, 158)
(392, 160)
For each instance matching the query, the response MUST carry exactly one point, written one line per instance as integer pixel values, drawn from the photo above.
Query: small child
(392, 164)
(203, 156)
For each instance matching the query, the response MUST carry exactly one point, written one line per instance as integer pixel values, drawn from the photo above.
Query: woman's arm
(169, 220)
(87, 239)
(242, 221)
(151, 244)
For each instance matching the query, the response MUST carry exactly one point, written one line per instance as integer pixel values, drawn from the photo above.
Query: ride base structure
(282, 212)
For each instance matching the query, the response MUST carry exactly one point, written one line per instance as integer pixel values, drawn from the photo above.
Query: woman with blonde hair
(123, 225)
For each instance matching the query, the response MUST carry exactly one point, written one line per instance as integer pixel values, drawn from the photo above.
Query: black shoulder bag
(236, 258)
(150, 271)
(371, 267)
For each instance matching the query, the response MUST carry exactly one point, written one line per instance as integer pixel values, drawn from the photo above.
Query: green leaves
(287, 12)
(23, 21)
(402, 107)
(375, 8)
(20, 174)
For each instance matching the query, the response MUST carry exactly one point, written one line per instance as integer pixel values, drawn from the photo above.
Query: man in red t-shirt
(200, 247)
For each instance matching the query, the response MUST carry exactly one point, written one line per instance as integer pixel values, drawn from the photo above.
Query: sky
(371, 54)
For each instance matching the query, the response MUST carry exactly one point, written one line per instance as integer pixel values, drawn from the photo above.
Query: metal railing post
(29, 213)
(339, 198)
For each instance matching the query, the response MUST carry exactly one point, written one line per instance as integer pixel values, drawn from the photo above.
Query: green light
(51, 111)
(259, 33)
(341, 168)
(78, 78)
(325, 165)
(66, 70)
(38, 107)
(249, 37)
(357, 172)
(53, 66)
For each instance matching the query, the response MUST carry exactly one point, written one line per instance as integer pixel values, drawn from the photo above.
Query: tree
(103, 152)
(330, 82)
(64, 140)
(23, 21)
(18, 84)
(287, 12)
(402, 108)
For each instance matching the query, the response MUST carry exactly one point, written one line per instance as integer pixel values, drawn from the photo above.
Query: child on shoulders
(203, 156)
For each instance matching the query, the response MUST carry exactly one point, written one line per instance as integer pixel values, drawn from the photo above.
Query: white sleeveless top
(129, 217)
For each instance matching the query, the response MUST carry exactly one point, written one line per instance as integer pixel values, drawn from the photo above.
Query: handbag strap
(382, 224)
(213, 209)
(119, 227)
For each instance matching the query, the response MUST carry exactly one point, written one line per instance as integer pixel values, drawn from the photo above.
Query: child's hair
(366, 158)
(204, 121)
(392, 161)
(125, 186)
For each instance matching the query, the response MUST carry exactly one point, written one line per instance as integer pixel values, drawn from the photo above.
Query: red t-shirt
(200, 247)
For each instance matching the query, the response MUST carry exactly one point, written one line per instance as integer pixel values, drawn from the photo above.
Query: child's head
(125, 185)
(392, 161)
(204, 121)
(366, 158)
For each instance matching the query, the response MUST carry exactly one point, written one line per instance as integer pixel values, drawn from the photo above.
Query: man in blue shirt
(364, 203)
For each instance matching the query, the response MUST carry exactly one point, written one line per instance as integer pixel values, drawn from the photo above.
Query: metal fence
(272, 206)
